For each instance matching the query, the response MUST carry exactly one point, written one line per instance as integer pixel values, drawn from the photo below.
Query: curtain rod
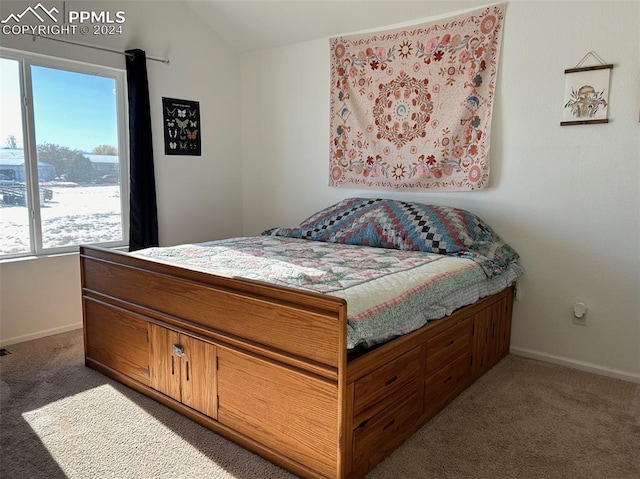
(104, 49)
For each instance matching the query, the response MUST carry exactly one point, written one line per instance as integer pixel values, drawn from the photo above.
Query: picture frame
(182, 129)
(586, 97)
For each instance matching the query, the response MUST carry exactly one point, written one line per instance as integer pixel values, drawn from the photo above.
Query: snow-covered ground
(75, 215)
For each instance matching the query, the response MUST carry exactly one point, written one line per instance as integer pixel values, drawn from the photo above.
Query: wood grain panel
(288, 411)
(492, 335)
(507, 309)
(116, 339)
(199, 376)
(165, 370)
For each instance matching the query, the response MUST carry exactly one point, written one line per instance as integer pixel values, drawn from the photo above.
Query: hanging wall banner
(181, 127)
(586, 95)
(411, 107)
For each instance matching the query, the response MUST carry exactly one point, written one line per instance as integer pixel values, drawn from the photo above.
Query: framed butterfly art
(181, 127)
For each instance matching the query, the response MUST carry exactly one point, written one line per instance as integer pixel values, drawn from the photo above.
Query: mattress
(388, 292)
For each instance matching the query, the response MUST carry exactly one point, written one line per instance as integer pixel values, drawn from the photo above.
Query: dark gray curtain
(143, 220)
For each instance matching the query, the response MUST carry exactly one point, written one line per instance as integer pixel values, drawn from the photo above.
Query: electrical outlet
(580, 313)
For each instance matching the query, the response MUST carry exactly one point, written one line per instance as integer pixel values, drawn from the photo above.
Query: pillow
(408, 226)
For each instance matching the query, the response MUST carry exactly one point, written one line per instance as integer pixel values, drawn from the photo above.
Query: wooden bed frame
(267, 366)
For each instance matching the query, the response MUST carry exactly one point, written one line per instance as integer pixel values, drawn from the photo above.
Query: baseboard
(572, 363)
(40, 334)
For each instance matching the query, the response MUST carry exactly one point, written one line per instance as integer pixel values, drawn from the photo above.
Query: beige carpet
(523, 419)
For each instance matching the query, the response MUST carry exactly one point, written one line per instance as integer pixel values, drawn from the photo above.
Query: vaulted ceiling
(249, 25)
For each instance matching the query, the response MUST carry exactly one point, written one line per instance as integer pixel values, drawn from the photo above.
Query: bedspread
(388, 292)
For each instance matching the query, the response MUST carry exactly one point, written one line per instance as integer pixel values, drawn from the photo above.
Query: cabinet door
(164, 365)
(493, 331)
(183, 368)
(199, 389)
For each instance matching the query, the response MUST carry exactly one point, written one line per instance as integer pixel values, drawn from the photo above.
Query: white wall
(199, 198)
(567, 198)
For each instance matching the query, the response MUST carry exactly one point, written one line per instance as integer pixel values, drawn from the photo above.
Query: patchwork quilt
(407, 226)
(389, 292)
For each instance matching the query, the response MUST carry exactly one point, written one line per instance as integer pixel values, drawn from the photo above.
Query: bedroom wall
(567, 198)
(199, 198)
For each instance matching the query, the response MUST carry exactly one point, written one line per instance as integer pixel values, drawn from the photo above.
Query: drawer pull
(391, 381)
(391, 423)
(448, 379)
(362, 424)
(450, 342)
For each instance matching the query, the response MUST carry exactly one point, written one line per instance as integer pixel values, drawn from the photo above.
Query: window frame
(26, 61)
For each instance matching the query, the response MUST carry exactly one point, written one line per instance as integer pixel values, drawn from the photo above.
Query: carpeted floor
(523, 419)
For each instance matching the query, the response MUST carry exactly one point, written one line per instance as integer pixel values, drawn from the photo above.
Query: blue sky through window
(75, 110)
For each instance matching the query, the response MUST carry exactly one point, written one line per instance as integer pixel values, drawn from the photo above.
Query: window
(63, 155)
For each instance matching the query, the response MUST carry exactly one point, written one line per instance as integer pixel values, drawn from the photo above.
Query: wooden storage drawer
(447, 383)
(375, 439)
(375, 391)
(446, 346)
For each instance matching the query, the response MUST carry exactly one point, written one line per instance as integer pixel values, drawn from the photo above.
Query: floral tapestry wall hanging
(411, 107)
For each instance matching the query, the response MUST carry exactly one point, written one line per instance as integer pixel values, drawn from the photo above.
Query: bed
(320, 347)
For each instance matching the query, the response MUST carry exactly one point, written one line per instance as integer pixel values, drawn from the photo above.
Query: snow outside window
(63, 155)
